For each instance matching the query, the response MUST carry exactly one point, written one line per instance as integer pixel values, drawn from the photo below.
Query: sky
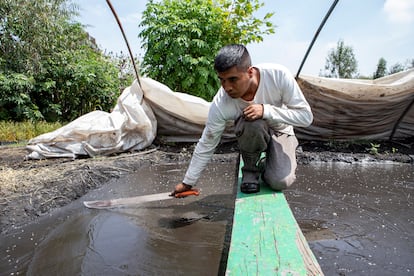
(373, 28)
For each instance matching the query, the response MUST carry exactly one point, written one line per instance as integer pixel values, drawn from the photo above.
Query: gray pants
(255, 137)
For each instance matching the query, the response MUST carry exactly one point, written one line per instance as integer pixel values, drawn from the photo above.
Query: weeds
(23, 131)
(374, 148)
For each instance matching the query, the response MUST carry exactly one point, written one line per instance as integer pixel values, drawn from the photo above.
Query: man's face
(236, 82)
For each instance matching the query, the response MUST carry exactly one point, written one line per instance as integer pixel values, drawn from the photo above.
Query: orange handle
(187, 193)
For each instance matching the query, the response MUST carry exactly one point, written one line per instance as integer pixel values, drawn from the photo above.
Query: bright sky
(374, 29)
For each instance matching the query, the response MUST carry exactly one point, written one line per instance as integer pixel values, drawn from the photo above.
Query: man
(265, 102)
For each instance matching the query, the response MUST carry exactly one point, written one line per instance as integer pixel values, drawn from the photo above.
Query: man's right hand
(181, 187)
(253, 112)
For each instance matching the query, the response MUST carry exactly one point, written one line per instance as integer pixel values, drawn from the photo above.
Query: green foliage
(374, 149)
(30, 30)
(76, 82)
(341, 62)
(181, 38)
(397, 67)
(15, 102)
(381, 69)
(50, 69)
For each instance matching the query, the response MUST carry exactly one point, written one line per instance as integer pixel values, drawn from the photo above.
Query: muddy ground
(33, 188)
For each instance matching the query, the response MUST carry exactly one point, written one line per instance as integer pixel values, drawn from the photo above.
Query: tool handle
(187, 193)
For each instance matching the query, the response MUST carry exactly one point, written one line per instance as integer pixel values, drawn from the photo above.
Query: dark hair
(230, 56)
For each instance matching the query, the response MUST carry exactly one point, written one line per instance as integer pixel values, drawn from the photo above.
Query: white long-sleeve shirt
(284, 106)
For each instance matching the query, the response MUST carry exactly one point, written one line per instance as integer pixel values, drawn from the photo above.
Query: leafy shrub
(182, 37)
(50, 68)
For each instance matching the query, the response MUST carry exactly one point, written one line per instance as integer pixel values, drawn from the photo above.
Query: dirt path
(32, 188)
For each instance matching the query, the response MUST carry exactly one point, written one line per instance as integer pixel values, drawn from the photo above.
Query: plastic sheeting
(132, 125)
(343, 110)
(353, 109)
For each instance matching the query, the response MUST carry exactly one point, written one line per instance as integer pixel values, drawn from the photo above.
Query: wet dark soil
(30, 189)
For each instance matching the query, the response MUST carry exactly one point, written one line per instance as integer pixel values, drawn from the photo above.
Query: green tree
(341, 62)
(181, 38)
(30, 30)
(75, 81)
(381, 69)
(397, 67)
(50, 68)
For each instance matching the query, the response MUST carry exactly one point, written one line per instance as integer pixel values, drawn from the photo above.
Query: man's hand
(253, 112)
(181, 187)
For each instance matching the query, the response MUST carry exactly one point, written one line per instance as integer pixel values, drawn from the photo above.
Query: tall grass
(23, 131)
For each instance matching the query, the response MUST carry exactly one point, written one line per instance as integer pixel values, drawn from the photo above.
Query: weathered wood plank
(266, 239)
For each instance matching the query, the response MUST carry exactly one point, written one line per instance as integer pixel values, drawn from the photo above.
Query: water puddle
(183, 236)
(358, 218)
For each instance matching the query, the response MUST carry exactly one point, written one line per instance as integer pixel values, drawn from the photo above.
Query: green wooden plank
(266, 239)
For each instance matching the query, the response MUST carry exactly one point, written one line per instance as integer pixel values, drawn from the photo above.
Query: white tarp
(354, 109)
(132, 125)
